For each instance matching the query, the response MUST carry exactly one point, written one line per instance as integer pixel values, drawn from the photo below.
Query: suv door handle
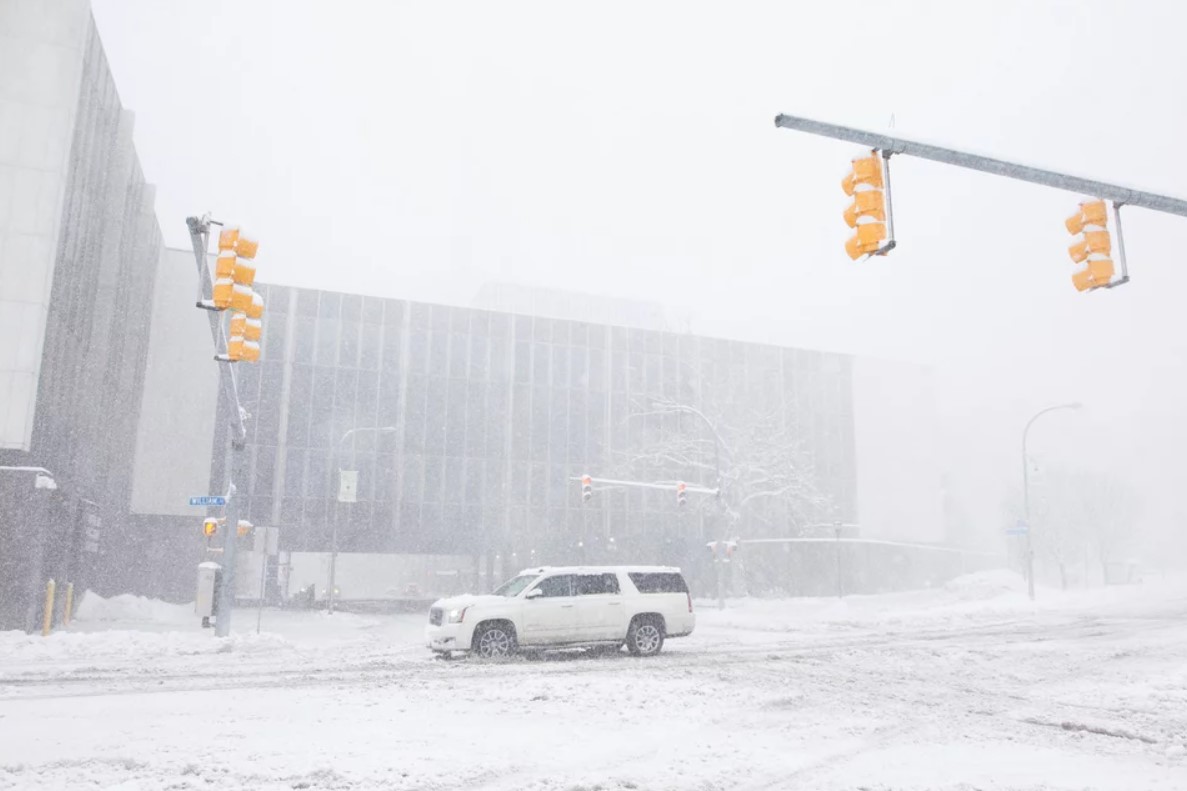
(566, 605)
(614, 603)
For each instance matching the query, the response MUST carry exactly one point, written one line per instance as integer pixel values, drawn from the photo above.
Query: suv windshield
(513, 587)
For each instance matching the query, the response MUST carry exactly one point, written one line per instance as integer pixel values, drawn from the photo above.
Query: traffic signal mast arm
(667, 487)
(1121, 196)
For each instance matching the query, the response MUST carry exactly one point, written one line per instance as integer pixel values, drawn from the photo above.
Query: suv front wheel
(646, 636)
(495, 641)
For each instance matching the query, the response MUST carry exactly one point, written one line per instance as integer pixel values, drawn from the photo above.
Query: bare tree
(1076, 511)
(1110, 512)
(1059, 532)
(759, 463)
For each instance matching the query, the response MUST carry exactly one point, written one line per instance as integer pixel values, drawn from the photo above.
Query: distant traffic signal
(867, 213)
(1093, 250)
(681, 493)
(586, 488)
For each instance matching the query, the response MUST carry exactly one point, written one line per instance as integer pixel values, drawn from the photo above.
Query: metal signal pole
(229, 394)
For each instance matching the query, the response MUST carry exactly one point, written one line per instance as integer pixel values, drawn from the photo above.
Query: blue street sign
(1020, 529)
(208, 500)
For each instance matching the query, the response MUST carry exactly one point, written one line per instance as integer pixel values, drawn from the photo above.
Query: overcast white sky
(417, 150)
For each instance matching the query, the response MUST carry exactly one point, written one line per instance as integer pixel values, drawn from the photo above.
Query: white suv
(591, 606)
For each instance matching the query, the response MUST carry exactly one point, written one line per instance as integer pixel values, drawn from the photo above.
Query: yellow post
(68, 610)
(47, 622)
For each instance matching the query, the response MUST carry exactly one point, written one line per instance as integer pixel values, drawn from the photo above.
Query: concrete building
(79, 245)
(491, 415)
(551, 303)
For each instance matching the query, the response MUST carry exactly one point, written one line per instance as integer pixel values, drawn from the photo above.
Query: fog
(420, 150)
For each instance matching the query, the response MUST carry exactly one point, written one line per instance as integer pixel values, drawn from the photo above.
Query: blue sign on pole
(1020, 529)
(208, 500)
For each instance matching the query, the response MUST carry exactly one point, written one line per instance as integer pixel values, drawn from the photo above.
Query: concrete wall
(373, 576)
(898, 462)
(42, 47)
(176, 431)
(79, 249)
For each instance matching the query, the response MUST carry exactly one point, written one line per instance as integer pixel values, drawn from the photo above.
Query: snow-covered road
(969, 687)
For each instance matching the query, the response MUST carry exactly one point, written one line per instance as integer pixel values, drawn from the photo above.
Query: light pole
(1030, 555)
(717, 444)
(338, 501)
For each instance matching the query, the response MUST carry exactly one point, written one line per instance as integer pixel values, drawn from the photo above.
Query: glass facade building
(486, 417)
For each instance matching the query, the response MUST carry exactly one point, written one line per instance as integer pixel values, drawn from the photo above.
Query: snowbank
(970, 599)
(127, 645)
(126, 608)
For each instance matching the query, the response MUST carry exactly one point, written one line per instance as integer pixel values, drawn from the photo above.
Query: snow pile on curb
(131, 646)
(985, 585)
(979, 596)
(126, 608)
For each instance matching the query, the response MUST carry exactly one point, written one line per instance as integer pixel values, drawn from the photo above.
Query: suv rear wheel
(646, 636)
(494, 641)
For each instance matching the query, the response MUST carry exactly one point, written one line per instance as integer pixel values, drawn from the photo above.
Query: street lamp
(1030, 567)
(337, 506)
(721, 500)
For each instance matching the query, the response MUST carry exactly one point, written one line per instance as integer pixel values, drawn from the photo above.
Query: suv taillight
(689, 595)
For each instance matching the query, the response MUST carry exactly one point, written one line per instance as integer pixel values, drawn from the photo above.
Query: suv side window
(658, 582)
(560, 585)
(595, 584)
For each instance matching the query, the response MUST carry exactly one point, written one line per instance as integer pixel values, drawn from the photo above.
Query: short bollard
(47, 621)
(68, 609)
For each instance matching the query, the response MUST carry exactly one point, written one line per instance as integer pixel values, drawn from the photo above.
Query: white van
(567, 607)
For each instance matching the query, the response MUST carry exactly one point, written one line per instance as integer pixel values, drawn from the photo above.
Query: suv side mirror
(534, 593)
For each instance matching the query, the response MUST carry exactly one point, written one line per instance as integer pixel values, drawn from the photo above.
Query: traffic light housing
(866, 215)
(210, 526)
(681, 493)
(244, 528)
(1093, 250)
(234, 270)
(586, 488)
(232, 237)
(244, 332)
(234, 278)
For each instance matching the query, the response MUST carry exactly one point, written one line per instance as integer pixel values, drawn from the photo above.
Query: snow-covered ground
(966, 687)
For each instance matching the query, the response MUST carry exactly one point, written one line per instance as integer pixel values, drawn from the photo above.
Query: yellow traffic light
(234, 278)
(867, 213)
(1093, 249)
(234, 270)
(243, 338)
(233, 238)
(210, 527)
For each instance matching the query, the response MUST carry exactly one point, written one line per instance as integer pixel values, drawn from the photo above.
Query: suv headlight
(458, 615)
